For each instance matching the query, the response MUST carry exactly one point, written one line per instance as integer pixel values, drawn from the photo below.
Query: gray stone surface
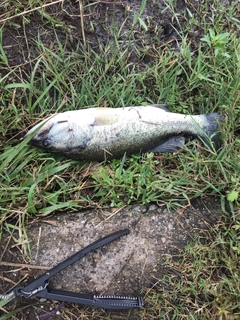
(127, 264)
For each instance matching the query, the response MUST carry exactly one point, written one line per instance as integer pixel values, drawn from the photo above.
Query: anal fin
(171, 145)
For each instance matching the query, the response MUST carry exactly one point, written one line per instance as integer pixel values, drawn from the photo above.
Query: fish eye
(46, 142)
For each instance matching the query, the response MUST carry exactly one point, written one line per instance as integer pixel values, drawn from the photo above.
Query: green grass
(205, 282)
(196, 76)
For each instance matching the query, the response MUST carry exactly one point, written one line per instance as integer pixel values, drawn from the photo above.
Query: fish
(97, 134)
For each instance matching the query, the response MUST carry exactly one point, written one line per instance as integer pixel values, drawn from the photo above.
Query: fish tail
(210, 134)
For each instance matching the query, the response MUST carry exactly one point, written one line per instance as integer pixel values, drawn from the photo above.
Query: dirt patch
(157, 25)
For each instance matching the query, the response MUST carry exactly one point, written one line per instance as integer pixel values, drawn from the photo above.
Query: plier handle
(39, 287)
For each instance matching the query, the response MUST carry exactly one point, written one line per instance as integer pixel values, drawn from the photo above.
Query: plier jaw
(39, 287)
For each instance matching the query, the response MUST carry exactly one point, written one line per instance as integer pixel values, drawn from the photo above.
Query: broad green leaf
(232, 196)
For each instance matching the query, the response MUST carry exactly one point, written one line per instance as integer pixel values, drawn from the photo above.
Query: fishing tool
(40, 286)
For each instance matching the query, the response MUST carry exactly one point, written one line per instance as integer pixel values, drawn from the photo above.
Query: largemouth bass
(107, 133)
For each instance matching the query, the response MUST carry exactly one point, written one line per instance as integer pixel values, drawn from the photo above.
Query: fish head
(44, 138)
(62, 133)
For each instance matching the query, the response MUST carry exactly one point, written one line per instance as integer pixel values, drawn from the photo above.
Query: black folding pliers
(39, 287)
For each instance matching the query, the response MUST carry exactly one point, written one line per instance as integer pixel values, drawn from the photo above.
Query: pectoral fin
(171, 145)
(105, 116)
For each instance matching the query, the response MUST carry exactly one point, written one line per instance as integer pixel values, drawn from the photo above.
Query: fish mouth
(39, 140)
(42, 143)
(34, 142)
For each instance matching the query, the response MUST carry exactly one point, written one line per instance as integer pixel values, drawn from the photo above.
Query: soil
(99, 19)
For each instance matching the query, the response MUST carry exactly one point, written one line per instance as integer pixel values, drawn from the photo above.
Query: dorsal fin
(161, 106)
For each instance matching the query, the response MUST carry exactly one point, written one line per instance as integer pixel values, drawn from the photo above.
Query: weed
(205, 278)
